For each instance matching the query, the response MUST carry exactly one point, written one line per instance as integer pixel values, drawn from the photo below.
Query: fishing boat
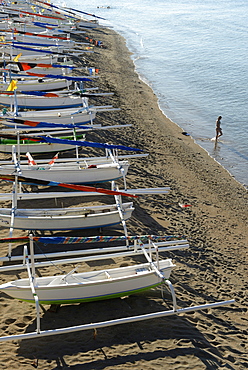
(26, 144)
(34, 26)
(92, 285)
(88, 171)
(17, 67)
(39, 84)
(42, 101)
(42, 35)
(32, 140)
(99, 284)
(35, 57)
(84, 217)
(87, 217)
(14, 48)
(44, 39)
(93, 216)
(80, 191)
(75, 170)
(83, 114)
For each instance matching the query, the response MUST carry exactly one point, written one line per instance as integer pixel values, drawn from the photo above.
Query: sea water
(193, 54)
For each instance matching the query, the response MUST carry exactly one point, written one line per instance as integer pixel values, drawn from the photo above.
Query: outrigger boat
(45, 101)
(44, 39)
(18, 67)
(39, 84)
(42, 100)
(83, 115)
(96, 285)
(49, 58)
(29, 142)
(64, 218)
(86, 170)
(82, 171)
(70, 218)
(27, 48)
(90, 286)
(87, 217)
(25, 144)
(39, 27)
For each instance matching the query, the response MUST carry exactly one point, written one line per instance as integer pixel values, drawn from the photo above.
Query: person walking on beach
(218, 128)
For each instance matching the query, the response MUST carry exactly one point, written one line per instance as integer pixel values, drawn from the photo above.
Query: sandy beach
(214, 268)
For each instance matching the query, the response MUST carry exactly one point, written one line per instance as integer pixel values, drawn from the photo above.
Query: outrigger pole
(103, 324)
(125, 320)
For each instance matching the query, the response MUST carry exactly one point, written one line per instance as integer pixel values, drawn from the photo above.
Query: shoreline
(243, 182)
(195, 141)
(213, 269)
(245, 185)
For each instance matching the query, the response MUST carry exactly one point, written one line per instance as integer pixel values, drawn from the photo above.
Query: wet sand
(214, 268)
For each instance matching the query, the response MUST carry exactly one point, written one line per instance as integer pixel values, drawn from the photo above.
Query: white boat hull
(90, 286)
(44, 71)
(65, 218)
(42, 85)
(87, 173)
(35, 58)
(62, 116)
(45, 41)
(36, 148)
(39, 50)
(41, 102)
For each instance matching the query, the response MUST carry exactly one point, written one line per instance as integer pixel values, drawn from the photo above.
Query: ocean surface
(193, 53)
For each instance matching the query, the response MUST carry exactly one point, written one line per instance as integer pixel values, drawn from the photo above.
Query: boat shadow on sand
(178, 336)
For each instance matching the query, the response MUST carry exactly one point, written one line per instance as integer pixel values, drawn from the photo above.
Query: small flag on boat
(17, 57)
(30, 159)
(53, 159)
(12, 86)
